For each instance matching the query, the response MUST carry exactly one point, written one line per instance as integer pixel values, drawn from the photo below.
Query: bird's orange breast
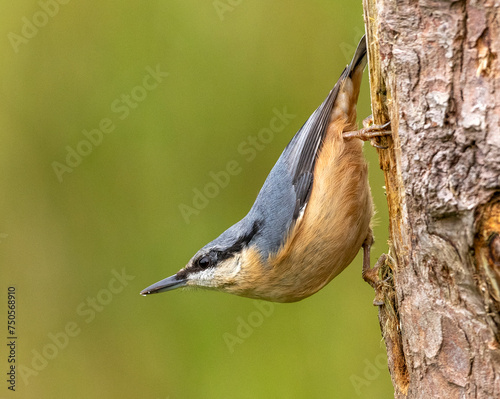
(327, 237)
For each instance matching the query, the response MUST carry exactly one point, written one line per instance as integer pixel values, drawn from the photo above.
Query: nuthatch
(310, 218)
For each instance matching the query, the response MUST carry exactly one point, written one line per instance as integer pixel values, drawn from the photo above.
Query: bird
(311, 217)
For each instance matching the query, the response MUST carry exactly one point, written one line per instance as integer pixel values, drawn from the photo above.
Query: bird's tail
(359, 60)
(344, 106)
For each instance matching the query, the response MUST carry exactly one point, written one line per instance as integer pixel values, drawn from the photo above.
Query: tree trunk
(435, 73)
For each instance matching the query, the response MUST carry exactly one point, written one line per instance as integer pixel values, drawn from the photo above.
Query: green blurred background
(229, 64)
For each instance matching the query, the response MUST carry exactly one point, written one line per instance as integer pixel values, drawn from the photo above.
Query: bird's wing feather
(285, 192)
(303, 149)
(305, 145)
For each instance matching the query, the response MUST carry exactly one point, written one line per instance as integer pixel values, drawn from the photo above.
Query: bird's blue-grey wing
(305, 145)
(288, 186)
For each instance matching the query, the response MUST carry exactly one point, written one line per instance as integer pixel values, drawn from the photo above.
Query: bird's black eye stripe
(240, 243)
(199, 264)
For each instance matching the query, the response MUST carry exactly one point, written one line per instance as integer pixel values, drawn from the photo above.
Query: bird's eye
(204, 262)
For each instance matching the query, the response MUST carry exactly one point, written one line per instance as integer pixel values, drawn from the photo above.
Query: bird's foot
(370, 132)
(372, 275)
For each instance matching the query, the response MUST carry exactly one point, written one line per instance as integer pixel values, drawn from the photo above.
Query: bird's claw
(370, 132)
(371, 275)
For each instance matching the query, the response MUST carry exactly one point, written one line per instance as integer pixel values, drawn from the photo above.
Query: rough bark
(435, 73)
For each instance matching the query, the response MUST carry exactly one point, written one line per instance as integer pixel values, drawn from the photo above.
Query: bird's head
(209, 268)
(226, 264)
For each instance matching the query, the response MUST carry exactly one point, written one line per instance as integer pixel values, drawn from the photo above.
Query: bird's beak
(170, 283)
